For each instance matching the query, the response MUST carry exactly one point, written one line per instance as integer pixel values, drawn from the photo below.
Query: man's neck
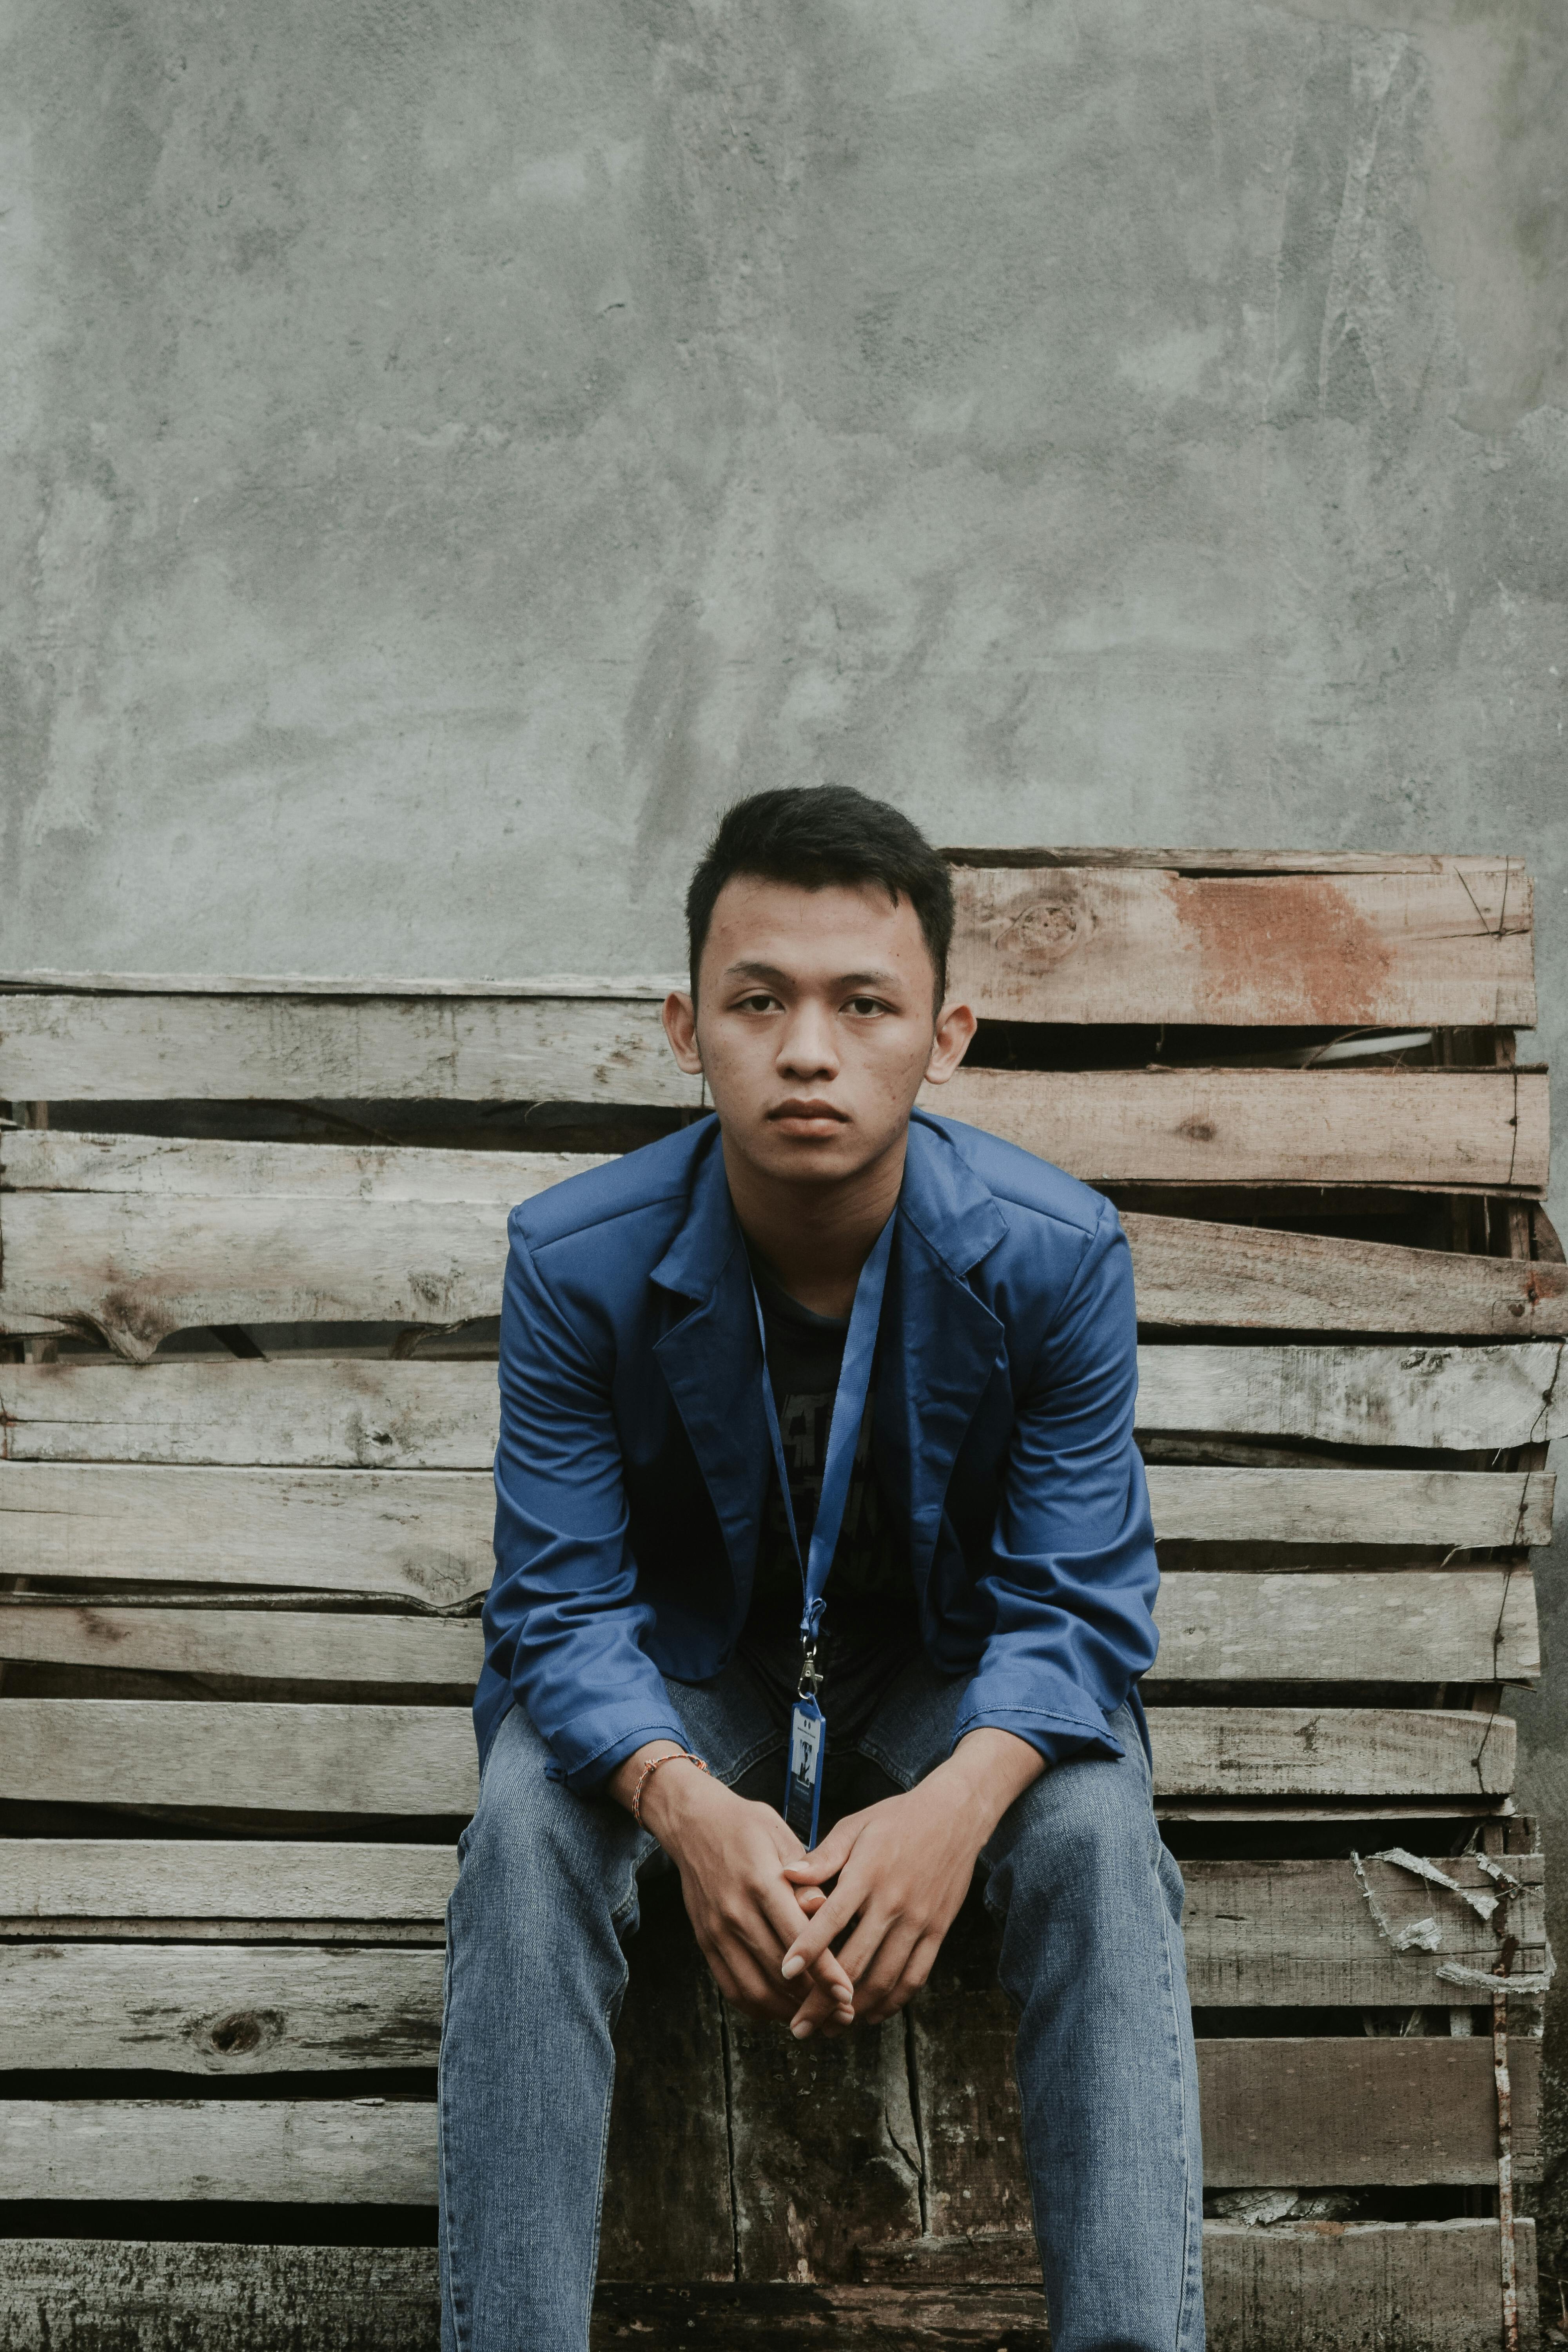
(816, 1237)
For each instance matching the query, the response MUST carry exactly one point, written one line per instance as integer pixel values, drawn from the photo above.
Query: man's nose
(808, 1048)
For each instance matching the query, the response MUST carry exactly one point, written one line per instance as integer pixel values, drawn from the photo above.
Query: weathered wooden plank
(1437, 1130)
(217, 2009)
(1330, 1752)
(417, 1535)
(290, 2151)
(1366, 2287)
(418, 1761)
(424, 1536)
(1259, 1933)
(1297, 2112)
(1446, 1398)
(1311, 2114)
(355, 1412)
(667, 2211)
(136, 1266)
(1343, 1625)
(1210, 861)
(133, 1270)
(86, 1879)
(76, 1047)
(1453, 1508)
(1370, 2287)
(181, 1167)
(251, 1644)
(343, 1413)
(1245, 1277)
(1300, 1934)
(826, 2153)
(1108, 944)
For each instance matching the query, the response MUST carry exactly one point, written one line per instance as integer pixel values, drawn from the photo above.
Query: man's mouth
(803, 1116)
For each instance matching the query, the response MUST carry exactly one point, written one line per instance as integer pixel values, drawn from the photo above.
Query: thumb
(826, 1860)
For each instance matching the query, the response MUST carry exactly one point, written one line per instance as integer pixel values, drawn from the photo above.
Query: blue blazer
(634, 1456)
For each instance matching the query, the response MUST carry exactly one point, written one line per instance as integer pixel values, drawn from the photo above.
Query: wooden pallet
(251, 1240)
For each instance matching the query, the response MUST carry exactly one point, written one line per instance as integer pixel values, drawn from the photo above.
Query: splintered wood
(242, 1628)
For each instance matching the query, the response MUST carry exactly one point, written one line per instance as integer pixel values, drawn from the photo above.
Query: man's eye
(865, 1005)
(757, 1004)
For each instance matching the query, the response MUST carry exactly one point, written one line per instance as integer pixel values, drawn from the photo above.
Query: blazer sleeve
(1072, 1577)
(562, 1624)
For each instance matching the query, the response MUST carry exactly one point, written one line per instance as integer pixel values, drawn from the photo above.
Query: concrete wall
(450, 449)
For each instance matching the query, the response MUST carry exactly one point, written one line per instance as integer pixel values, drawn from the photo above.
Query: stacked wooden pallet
(252, 1239)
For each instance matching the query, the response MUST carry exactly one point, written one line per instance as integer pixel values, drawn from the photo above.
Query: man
(819, 1409)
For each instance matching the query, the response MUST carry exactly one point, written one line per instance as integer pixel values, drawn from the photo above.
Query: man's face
(815, 1024)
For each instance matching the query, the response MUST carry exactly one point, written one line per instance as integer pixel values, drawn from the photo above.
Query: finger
(826, 1860)
(811, 1900)
(785, 1913)
(912, 1974)
(812, 1942)
(818, 2010)
(746, 1981)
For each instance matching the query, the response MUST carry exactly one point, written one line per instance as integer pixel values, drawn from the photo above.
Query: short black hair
(815, 835)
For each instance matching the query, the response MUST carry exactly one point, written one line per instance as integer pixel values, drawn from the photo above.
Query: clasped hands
(849, 1931)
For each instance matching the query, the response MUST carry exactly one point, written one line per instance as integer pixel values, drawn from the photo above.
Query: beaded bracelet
(675, 1756)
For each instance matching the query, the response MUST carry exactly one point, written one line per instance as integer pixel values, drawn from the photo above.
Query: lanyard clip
(810, 1680)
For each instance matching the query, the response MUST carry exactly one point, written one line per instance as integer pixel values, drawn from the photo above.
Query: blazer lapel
(712, 1361)
(942, 1343)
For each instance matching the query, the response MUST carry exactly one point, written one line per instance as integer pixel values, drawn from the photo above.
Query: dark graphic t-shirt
(871, 1624)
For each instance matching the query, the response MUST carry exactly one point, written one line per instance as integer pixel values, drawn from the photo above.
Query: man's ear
(679, 1016)
(955, 1026)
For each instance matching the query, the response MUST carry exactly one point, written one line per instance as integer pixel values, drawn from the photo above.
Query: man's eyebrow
(776, 977)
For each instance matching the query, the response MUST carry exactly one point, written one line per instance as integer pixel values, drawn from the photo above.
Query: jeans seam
(461, 2336)
(1184, 2120)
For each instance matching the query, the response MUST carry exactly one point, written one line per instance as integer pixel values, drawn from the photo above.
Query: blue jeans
(1091, 1955)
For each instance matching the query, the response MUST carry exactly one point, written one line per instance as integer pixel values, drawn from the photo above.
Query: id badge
(807, 1751)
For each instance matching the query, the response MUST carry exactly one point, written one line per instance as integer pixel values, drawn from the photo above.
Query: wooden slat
(260, 1757)
(1344, 2113)
(1189, 1271)
(424, 1536)
(1259, 1933)
(136, 1264)
(826, 2150)
(1108, 944)
(414, 1534)
(1361, 2288)
(1208, 861)
(1300, 1934)
(1437, 1130)
(1452, 1507)
(1276, 2113)
(1447, 1398)
(285, 1048)
(268, 1757)
(217, 2009)
(85, 1879)
(320, 1234)
(1327, 1752)
(1366, 2287)
(250, 1645)
(1341, 1626)
(293, 2151)
(343, 1413)
(359, 1411)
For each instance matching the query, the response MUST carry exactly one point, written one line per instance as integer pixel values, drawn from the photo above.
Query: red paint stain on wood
(1294, 952)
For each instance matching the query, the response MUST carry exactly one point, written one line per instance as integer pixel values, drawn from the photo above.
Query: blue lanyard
(844, 1431)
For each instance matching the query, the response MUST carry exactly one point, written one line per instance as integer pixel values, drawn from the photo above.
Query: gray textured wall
(451, 448)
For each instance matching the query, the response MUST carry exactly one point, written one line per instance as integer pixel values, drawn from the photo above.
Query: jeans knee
(1085, 1844)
